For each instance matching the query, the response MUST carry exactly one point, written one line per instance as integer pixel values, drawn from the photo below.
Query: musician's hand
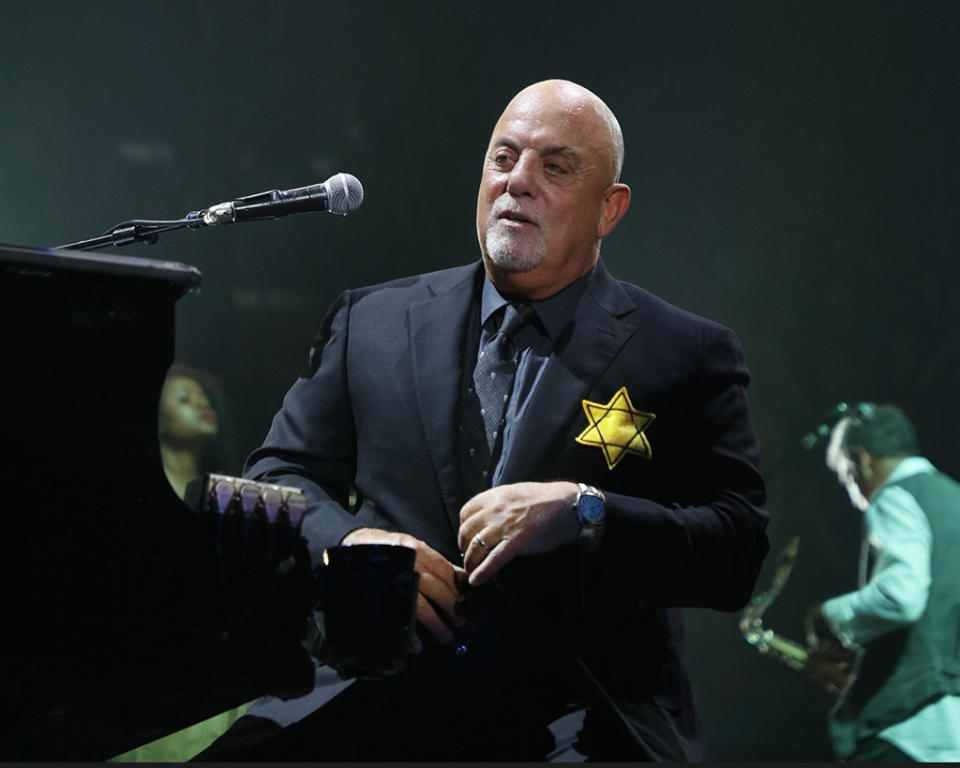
(828, 659)
(501, 523)
(818, 630)
(439, 592)
(833, 673)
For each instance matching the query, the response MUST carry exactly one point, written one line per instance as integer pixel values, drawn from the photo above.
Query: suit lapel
(437, 328)
(587, 346)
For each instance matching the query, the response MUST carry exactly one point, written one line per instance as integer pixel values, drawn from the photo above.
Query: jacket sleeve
(312, 440)
(702, 543)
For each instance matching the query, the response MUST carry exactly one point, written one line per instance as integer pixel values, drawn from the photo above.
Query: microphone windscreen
(345, 193)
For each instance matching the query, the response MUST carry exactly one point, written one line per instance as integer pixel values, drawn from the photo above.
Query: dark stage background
(794, 169)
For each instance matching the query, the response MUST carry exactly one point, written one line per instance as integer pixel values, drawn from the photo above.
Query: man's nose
(522, 179)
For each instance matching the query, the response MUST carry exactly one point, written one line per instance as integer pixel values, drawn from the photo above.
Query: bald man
(571, 458)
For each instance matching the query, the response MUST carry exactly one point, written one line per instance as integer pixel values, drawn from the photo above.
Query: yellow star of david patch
(617, 427)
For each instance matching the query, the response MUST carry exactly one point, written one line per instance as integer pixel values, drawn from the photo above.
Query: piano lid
(21, 259)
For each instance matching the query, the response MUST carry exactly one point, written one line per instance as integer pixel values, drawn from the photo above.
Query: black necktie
(495, 371)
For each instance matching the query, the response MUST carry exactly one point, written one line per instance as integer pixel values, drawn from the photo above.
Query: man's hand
(501, 523)
(820, 636)
(832, 673)
(438, 581)
(828, 660)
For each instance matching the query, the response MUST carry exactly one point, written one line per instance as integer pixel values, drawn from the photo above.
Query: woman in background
(188, 425)
(191, 427)
(194, 430)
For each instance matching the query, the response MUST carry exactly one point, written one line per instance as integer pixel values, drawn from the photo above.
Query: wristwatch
(591, 510)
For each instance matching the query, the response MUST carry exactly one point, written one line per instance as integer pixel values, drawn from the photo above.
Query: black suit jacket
(379, 407)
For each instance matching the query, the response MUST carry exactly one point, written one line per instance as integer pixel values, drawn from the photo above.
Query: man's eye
(555, 168)
(501, 159)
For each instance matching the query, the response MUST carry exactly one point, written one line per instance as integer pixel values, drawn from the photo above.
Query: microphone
(340, 194)
(864, 411)
(815, 436)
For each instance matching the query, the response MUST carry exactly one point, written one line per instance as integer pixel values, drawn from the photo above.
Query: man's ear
(615, 204)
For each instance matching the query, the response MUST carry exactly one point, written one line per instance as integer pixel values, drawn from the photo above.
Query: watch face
(591, 509)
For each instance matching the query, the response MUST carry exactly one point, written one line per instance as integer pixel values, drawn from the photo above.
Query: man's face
(541, 200)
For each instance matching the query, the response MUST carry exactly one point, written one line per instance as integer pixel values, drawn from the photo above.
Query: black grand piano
(120, 621)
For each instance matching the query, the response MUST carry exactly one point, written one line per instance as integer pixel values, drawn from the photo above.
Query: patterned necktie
(495, 371)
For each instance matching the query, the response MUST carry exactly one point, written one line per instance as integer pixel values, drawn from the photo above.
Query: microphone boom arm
(136, 231)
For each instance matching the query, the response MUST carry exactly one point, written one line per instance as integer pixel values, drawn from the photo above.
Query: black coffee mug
(369, 603)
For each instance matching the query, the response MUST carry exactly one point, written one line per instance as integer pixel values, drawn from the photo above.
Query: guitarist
(903, 623)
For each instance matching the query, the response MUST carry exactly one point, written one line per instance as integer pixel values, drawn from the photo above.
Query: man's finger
(469, 528)
(443, 595)
(474, 505)
(427, 617)
(479, 547)
(495, 559)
